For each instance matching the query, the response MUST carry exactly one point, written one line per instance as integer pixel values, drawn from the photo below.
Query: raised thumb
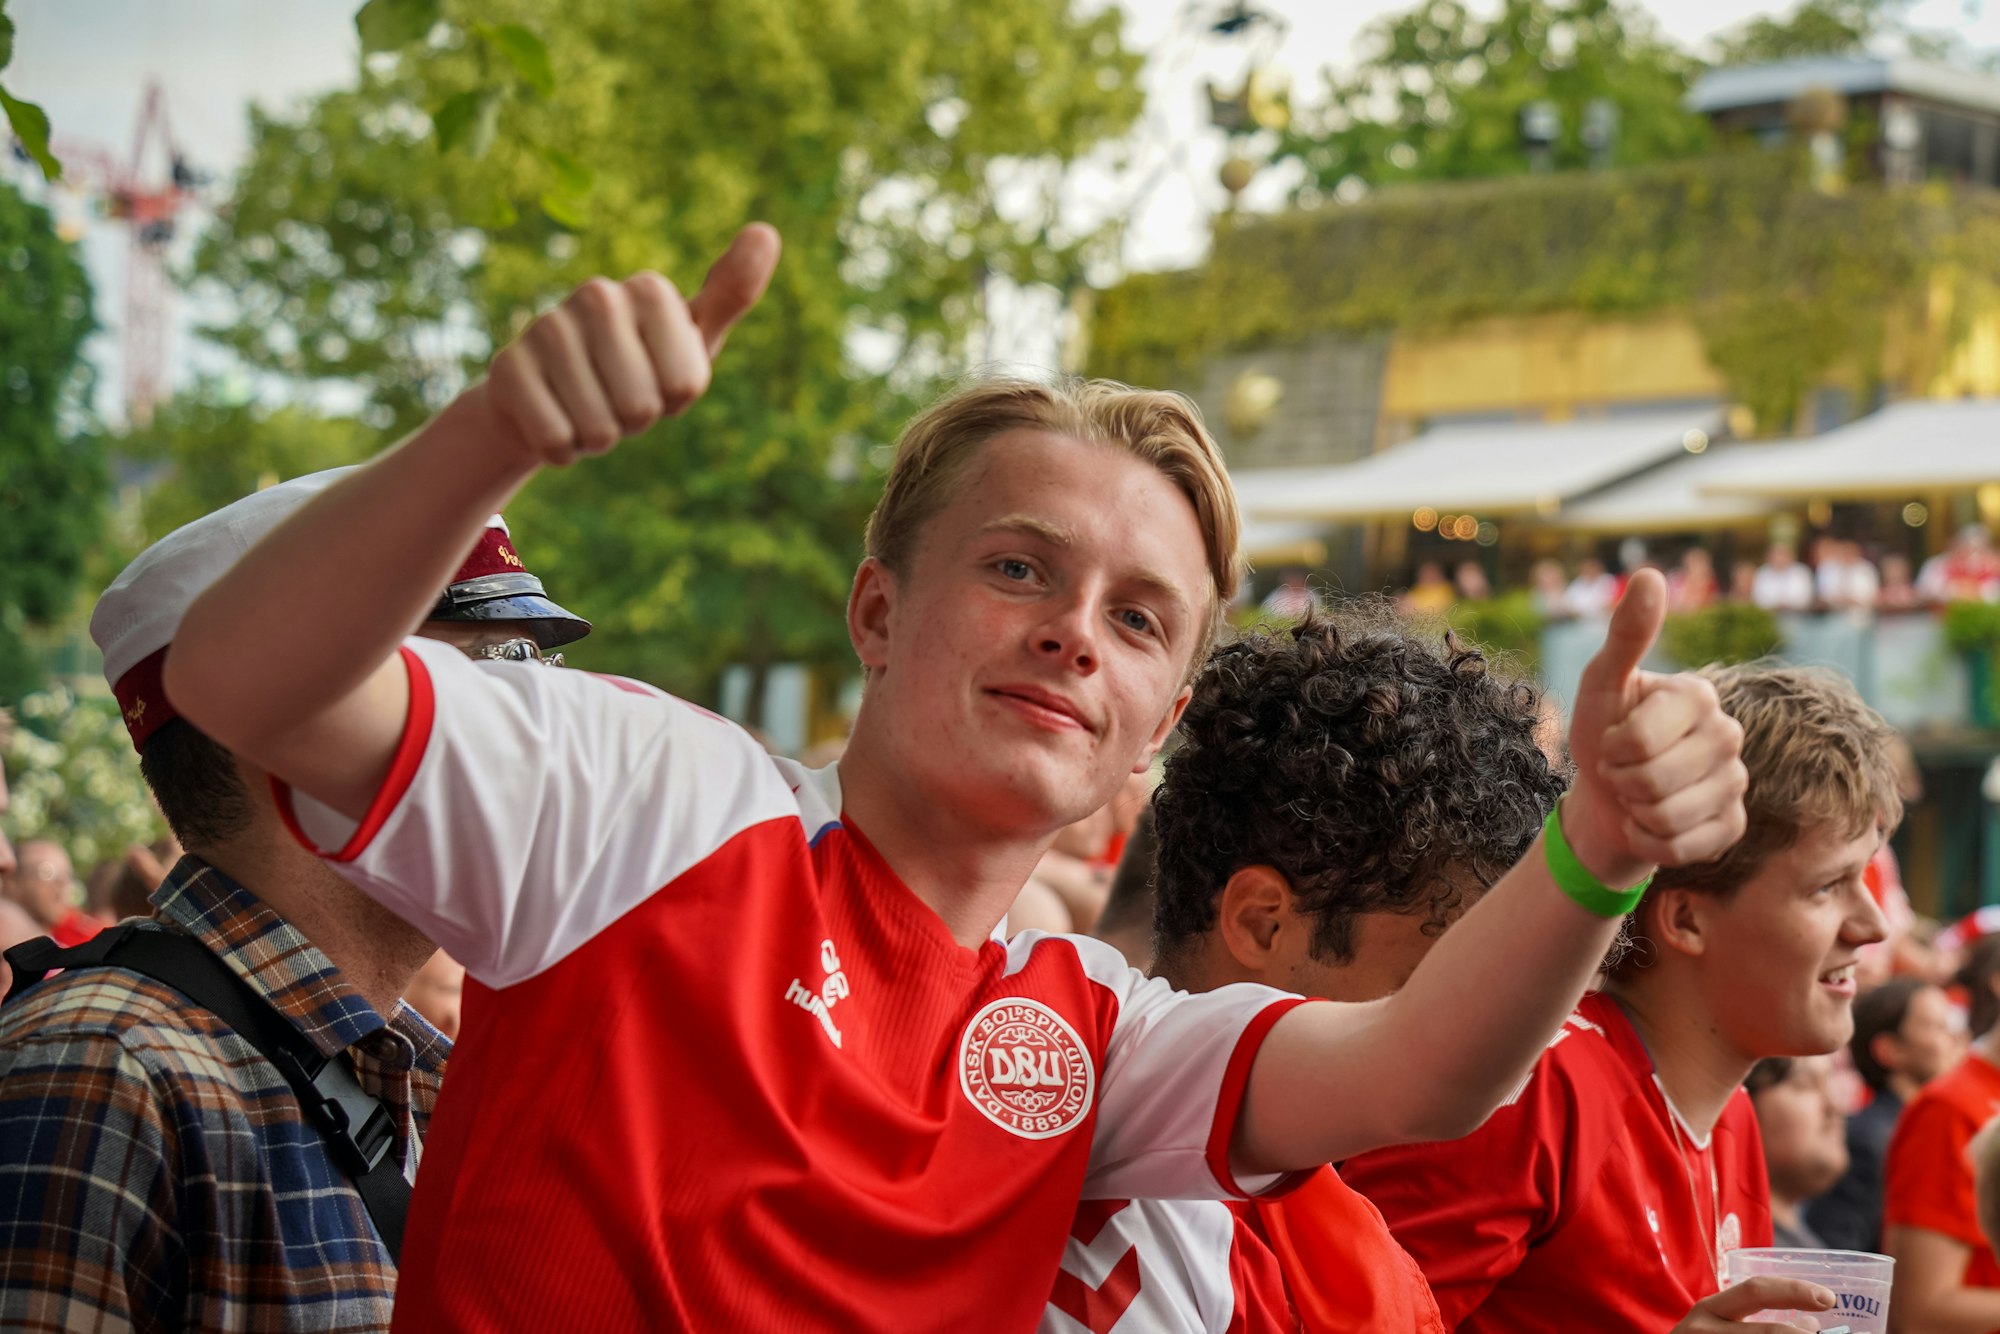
(1635, 626)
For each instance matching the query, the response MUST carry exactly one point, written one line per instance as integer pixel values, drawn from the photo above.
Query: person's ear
(1164, 730)
(1887, 1049)
(869, 605)
(1251, 914)
(1681, 921)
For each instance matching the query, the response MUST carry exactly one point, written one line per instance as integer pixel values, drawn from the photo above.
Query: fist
(616, 357)
(1659, 770)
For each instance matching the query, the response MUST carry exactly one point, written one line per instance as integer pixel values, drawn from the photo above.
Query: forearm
(305, 617)
(1952, 1311)
(1441, 1054)
(1931, 1295)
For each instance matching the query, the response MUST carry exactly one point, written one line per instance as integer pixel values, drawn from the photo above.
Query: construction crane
(147, 192)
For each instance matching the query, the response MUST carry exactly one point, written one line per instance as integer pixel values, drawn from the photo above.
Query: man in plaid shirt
(156, 1171)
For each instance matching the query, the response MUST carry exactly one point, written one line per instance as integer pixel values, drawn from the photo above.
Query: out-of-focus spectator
(43, 883)
(1978, 978)
(122, 887)
(1430, 593)
(1548, 590)
(1805, 1149)
(437, 992)
(1742, 582)
(1692, 586)
(1905, 1035)
(1955, 942)
(1471, 581)
(15, 927)
(1293, 597)
(1070, 884)
(1899, 589)
(1966, 571)
(1845, 581)
(1594, 590)
(1986, 1182)
(1946, 1275)
(1126, 924)
(1781, 582)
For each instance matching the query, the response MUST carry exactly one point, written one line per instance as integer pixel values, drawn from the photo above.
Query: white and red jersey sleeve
(527, 808)
(1174, 1073)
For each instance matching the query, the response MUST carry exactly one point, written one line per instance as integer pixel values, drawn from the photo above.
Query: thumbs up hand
(616, 357)
(1659, 774)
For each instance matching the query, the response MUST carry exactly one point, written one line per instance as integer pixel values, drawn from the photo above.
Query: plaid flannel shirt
(156, 1173)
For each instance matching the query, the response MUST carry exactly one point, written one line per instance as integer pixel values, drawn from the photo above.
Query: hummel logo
(819, 1004)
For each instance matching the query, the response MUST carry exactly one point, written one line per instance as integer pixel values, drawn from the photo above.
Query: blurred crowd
(1837, 574)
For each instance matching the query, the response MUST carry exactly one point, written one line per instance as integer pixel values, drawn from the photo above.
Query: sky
(88, 63)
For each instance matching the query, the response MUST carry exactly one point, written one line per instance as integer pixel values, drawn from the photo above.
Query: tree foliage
(908, 151)
(1786, 285)
(206, 450)
(1441, 93)
(52, 481)
(1814, 28)
(29, 122)
(73, 777)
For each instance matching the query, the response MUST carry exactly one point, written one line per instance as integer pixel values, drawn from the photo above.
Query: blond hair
(1158, 426)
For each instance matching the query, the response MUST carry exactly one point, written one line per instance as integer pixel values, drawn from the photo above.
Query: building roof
(1499, 468)
(1781, 81)
(1904, 450)
(1671, 498)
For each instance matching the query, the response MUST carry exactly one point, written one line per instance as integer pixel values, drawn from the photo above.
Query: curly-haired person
(1344, 792)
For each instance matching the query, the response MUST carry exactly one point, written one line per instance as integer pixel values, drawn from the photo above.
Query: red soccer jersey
(719, 1068)
(1928, 1180)
(1583, 1203)
(1318, 1261)
(1166, 1267)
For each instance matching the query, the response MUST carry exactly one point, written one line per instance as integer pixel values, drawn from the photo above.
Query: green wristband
(1571, 877)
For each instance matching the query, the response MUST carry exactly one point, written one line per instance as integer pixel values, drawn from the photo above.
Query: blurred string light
(1425, 520)
(1916, 514)
(1695, 440)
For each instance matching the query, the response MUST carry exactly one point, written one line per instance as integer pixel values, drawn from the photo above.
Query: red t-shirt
(719, 1068)
(1928, 1181)
(1583, 1204)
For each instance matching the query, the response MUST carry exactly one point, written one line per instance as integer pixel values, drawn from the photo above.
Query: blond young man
(863, 1112)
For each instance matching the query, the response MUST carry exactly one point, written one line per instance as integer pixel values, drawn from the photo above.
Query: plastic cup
(1858, 1280)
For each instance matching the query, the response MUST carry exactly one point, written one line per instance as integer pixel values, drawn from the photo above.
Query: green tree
(53, 481)
(1815, 28)
(73, 777)
(1442, 93)
(909, 151)
(210, 449)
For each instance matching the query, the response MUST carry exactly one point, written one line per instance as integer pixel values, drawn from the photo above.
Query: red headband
(493, 554)
(142, 700)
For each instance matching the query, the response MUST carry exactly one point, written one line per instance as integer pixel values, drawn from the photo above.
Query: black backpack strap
(358, 1128)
